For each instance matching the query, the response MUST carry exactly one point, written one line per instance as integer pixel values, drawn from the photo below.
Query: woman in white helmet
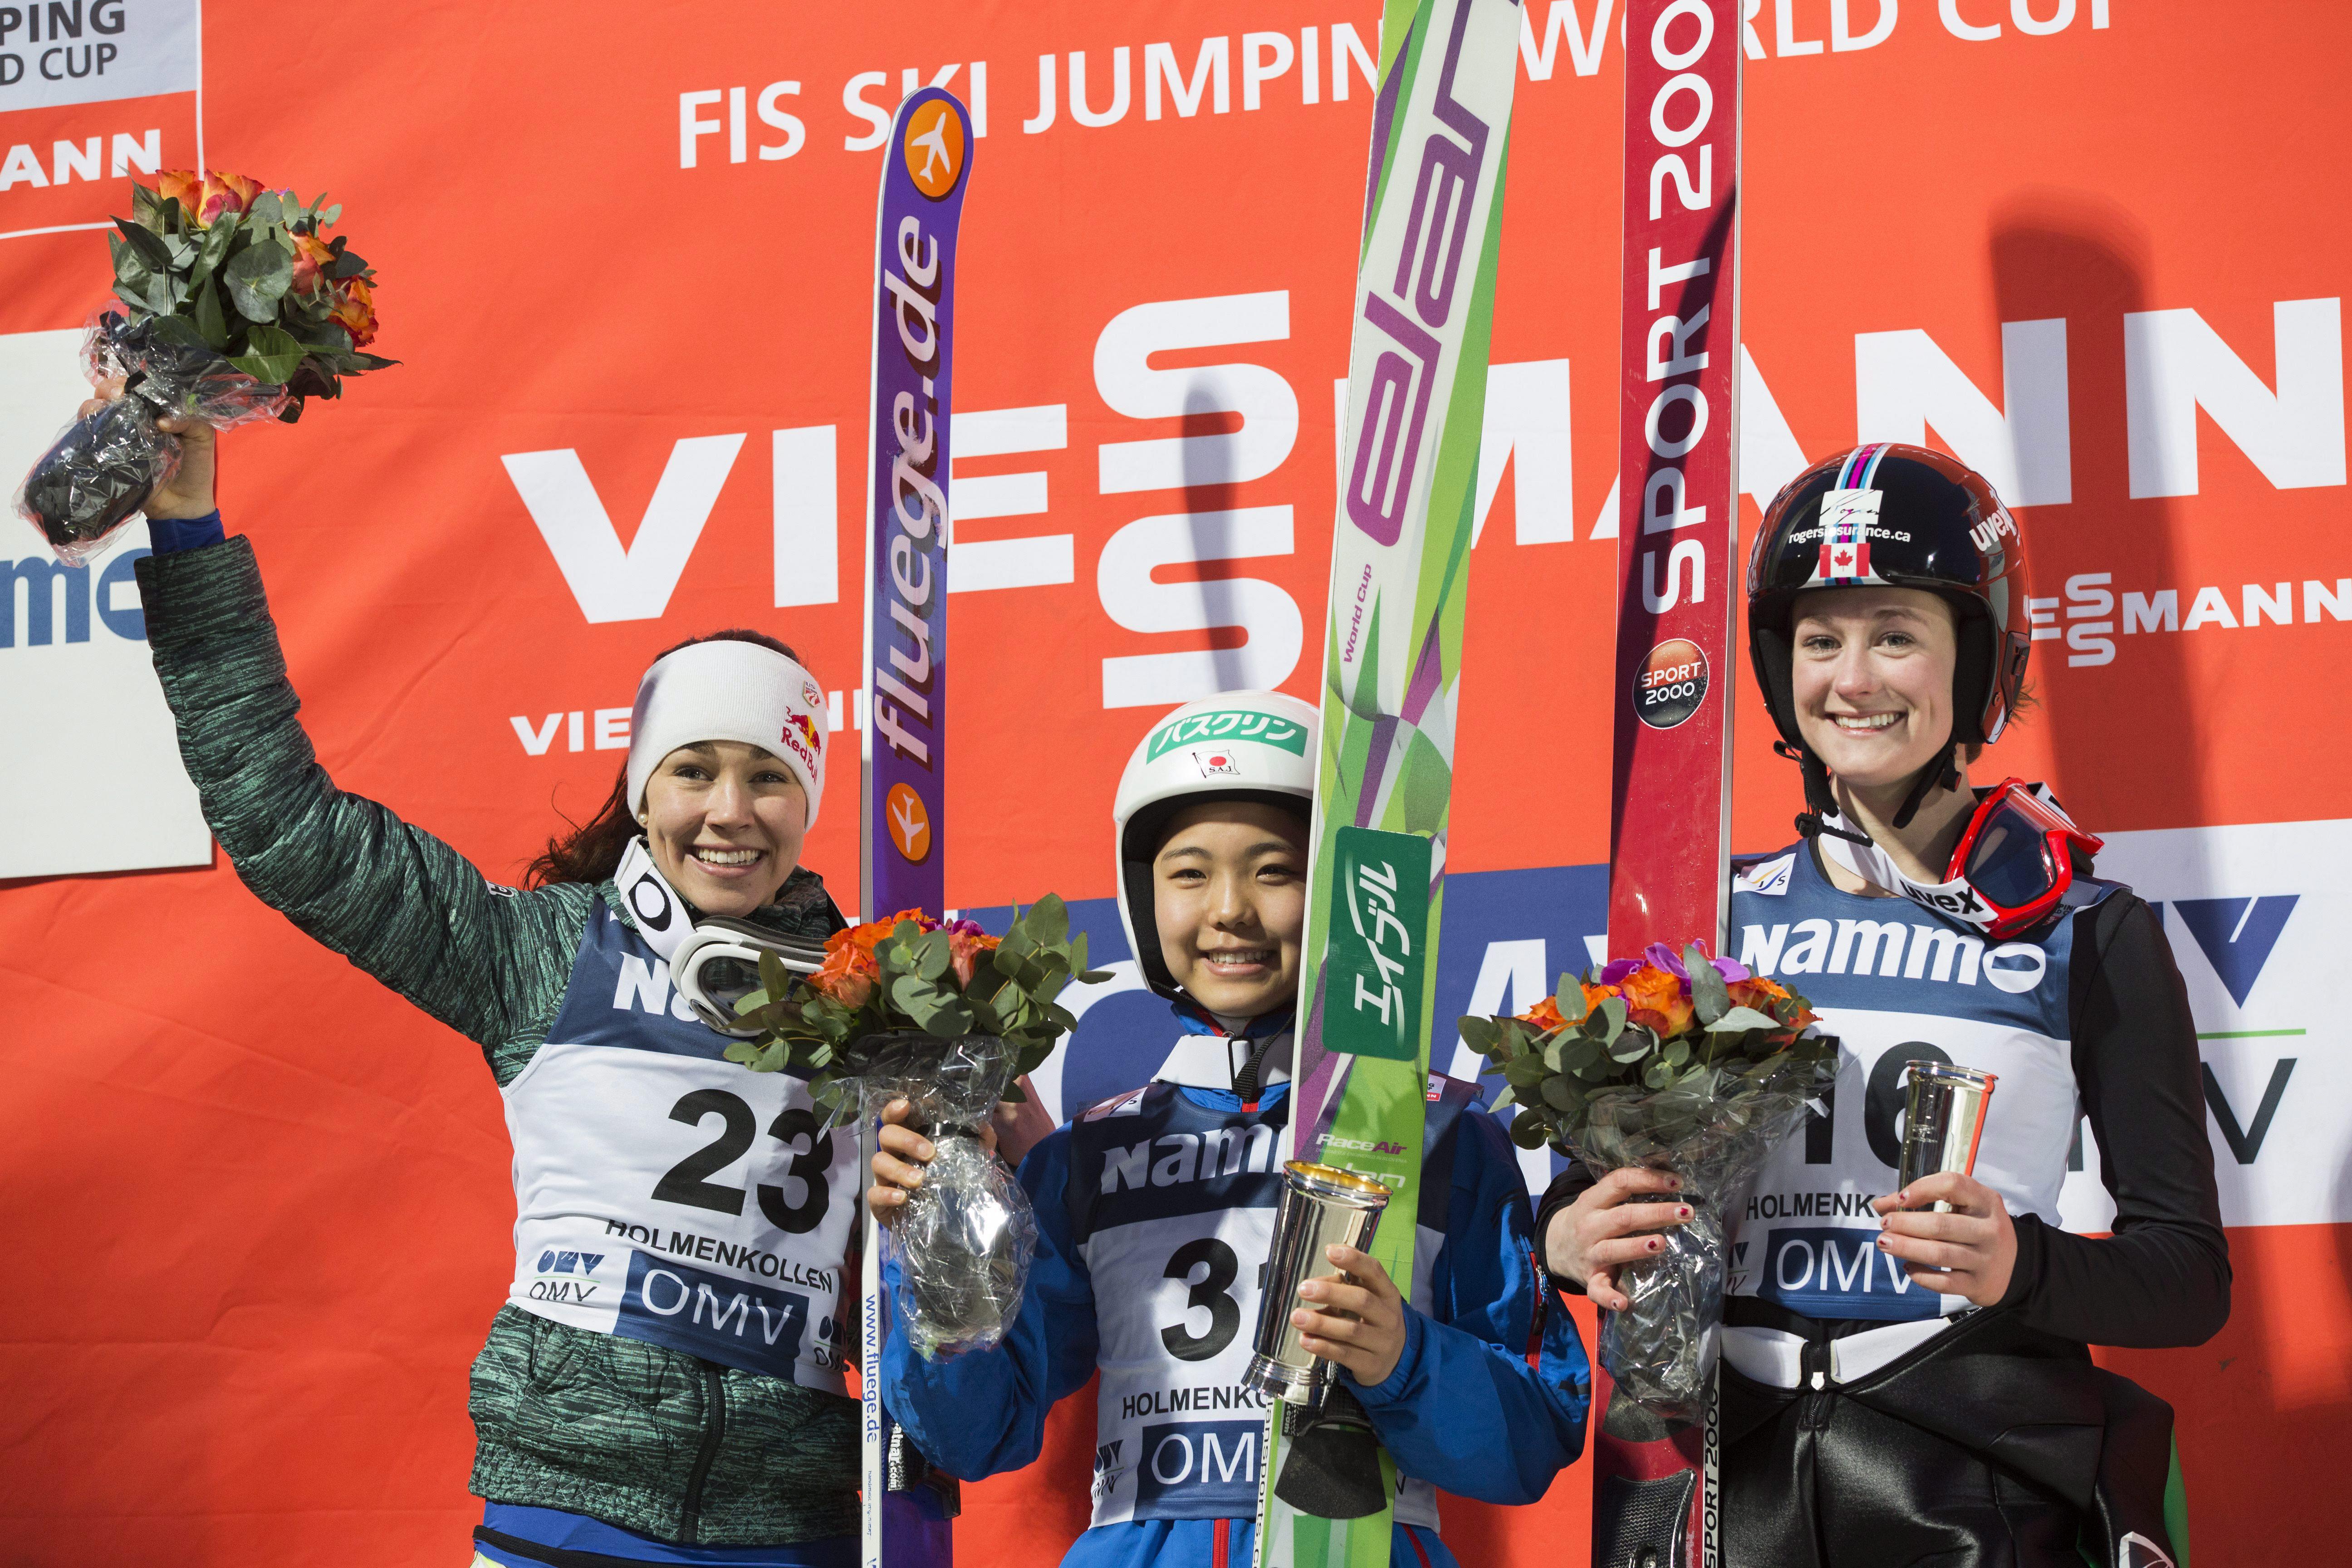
(1156, 1209)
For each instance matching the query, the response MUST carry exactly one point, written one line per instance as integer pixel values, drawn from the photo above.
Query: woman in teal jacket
(664, 1382)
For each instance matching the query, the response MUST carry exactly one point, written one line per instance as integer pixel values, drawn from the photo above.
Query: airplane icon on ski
(934, 155)
(909, 822)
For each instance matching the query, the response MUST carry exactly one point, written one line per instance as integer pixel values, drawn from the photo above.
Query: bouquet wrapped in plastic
(947, 1017)
(230, 308)
(1688, 1065)
(965, 1237)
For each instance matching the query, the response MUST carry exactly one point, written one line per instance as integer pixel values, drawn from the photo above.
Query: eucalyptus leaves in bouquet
(217, 261)
(911, 973)
(1671, 1062)
(946, 1017)
(1705, 1028)
(231, 306)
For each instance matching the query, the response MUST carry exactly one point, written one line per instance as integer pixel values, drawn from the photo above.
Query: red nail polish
(1655, 1244)
(1685, 1210)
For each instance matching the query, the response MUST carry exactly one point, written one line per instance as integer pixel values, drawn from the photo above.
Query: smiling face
(1229, 894)
(1872, 681)
(724, 821)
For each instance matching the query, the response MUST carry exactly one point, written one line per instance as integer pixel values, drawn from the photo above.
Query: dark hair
(591, 850)
(2027, 701)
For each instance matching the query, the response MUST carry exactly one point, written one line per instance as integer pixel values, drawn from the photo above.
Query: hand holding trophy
(230, 308)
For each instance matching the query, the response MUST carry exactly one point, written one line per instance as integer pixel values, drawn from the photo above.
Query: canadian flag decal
(1846, 516)
(1845, 558)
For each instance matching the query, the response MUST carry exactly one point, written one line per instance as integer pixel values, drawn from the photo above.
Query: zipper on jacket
(714, 1432)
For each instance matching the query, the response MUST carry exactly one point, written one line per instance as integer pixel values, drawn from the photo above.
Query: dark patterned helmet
(1888, 514)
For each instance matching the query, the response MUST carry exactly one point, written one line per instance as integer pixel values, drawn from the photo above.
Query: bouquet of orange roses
(1672, 1062)
(231, 306)
(947, 1017)
(947, 979)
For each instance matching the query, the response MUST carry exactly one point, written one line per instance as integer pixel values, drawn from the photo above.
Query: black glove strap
(1331, 1468)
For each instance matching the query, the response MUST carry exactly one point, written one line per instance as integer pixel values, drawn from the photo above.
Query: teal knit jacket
(627, 1431)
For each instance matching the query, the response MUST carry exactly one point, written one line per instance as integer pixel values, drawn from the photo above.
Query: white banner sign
(87, 51)
(89, 771)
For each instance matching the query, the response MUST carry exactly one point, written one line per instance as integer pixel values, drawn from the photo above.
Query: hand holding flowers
(231, 306)
(932, 1023)
(1671, 1077)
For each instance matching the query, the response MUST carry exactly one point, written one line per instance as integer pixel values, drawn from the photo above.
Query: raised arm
(395, 901)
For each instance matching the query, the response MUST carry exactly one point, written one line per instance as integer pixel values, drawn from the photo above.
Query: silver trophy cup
(1943, 1118)
(1322, 1207)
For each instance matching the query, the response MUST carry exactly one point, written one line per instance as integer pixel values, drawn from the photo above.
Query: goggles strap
(663, 919)
(1956, 900)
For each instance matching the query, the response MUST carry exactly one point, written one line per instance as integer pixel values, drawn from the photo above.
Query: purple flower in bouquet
(1664, 957)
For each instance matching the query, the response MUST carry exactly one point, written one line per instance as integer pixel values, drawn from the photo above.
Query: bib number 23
(689, 1181)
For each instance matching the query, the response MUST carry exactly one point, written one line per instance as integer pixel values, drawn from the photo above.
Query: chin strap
(1246, 1082)
(1260, 1033)
(1820, 805)
(1941, 774)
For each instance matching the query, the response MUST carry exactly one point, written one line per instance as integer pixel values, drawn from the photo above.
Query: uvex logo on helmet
(1988, 533)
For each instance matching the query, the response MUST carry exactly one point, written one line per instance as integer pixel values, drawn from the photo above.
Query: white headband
(728, 689)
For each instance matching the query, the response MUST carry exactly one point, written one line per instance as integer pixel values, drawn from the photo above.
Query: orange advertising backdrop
(261, 1206)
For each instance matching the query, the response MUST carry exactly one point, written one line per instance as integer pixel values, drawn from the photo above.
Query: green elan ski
(1392, 649)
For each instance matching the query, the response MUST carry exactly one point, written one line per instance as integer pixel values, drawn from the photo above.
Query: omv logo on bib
(731, 1321)
(1838, 1272)
(1197, 1470)
(577, 1288)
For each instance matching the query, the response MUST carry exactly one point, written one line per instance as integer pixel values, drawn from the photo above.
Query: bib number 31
(1212, 1293)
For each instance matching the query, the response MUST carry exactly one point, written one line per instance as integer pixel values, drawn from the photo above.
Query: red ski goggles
(2012, 866)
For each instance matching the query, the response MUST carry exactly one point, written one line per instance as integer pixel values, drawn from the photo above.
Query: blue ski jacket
(1155, 1209)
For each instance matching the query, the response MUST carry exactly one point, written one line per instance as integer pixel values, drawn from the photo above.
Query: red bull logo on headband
(811, 738)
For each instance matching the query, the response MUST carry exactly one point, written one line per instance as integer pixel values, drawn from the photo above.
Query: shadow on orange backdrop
(2260, 1411)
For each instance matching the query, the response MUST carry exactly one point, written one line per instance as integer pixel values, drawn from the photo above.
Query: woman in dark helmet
(1905, 1377)
(663, 1382)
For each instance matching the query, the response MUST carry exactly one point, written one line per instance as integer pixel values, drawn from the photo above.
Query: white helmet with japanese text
(1239, 745)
